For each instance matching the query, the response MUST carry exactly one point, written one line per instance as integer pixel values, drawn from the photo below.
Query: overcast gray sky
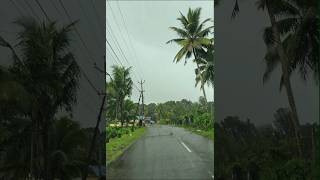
(142, 30)
(239, 55)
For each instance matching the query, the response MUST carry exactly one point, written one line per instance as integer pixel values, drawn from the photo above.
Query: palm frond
(183, 20)
(180, 54)
(235, 10)
(175, 40)
(272, 60)
(182, 33)
(268, 37)
(6, 44)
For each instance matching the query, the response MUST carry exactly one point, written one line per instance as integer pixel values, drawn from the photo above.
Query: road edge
(125, 150)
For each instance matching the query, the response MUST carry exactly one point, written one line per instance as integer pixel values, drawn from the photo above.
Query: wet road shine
(165, 152)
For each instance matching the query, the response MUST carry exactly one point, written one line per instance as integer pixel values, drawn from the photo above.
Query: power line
(116, 62)
(117, 58)
(120, 50)
(115, 20)
(42, 9)
(96, 13)
(86, 15)
(89, 53)
(55, 7)
(89, 81)
(15, 5)
(81, 70)
(129, 37)
(77, 32)
(32, 10)
(48, 18)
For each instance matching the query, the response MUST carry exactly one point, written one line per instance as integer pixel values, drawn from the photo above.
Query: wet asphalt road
(165, 152)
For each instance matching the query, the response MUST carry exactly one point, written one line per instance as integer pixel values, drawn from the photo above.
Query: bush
(203, 121)
(164, 121)
(116, 132)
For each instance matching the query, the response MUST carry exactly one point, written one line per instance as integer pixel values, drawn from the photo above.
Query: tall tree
(205, 70)
(292, 41)
(122, 85)
(193, 36)
(49, 73)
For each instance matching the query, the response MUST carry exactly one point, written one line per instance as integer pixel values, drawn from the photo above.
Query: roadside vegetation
(117, 145)
(194, 116)
(195, 37)
(285, 149)
(122, 126)
(38, 87)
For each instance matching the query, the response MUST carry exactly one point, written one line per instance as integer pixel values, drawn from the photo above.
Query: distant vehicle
(152, 122)
(147, 120)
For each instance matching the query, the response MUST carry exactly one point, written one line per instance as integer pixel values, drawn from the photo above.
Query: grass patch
(116, 146)
(205, 133)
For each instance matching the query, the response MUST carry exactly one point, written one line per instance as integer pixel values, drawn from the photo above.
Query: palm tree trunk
(33, 127)
(286, 78)
(31, 151)
(203, 90)
(46, 152)
(212, 109)
(132, 127)
(117, 104)
(121, 112)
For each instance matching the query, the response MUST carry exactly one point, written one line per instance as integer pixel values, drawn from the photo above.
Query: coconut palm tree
(47, 70)
(122, 85)
(299, 31)
(205, 70)
(193, 36)
(111, 104)
(292, 41)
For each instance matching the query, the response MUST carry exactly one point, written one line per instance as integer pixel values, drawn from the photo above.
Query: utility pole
(137, 111)
(141, 92)
(96, 132)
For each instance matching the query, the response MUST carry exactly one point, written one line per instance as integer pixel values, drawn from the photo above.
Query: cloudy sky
(141, 28)
(240, 65)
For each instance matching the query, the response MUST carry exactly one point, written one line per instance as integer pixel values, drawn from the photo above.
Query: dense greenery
(37, 88)
(184, 112)
(265, 152)
(286, 149)
(116, 146)
(196, 41)
(117, 91)
(116, 132)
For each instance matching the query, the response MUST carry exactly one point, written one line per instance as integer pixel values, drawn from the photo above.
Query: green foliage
(164, 121)
(116, 146)
(184, 112)
(204, 121)
(266, 151)
(194, 40)
(41, 81)
(118, 107)
(116, 132)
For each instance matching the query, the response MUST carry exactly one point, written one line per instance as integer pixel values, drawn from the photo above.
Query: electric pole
(141, 92)
(136, 114)
(96, 133)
